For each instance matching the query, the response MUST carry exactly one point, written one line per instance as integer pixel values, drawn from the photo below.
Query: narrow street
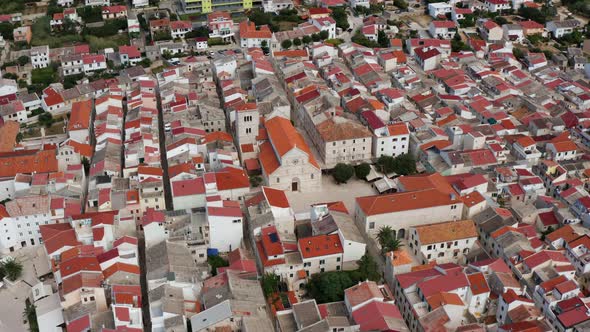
(163, 155)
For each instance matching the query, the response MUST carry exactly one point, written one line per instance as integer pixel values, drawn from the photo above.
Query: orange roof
(290, 53)
(525, 141)
(320, 245)
(404, 201)
(29, 161)
(399, 257)
(150, 170)
(426, 181)
(285, 137)
(478, 283)
(397, 129)
(80, 115)
(567, 233)
(8, 134)
(446, 231)
(83, 149)
(268, 158)
(276, 197)
(564, 146)
(248, 30)
(218, 136)
(362, 292)
(472, 199)
(134, 269)
(444, 298)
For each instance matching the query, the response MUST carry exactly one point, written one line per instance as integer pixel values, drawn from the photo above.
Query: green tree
(6, 30)
(405, 164)
(457, 44)
(46, 119)
(86, 164)
(341, 17)
(264, 47)
(286, 44)
(23, 60)
(500, 20)
(270, 284)
(255, 181)
(329, 286)
(315, 37)
(386, 163)
(306, 39)
(401, 4)
(368, 268)
(362, 170)
(342, 172)
(387, 239)
(259, 17)
(297, 42)
(12, 269)
(216, 262)
(19, 137)
(518, 53)
(382, 39)
(30, 314)
(324, 34)
(145, 63)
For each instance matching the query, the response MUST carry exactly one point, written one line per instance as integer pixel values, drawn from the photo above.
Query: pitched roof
(27, 161)
(404, 201)
(446, 231)
(320, 245)
(80, 115)
(362, 292)
(285, 137)
(276, 197)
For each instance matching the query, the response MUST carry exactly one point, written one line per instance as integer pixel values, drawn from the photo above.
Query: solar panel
(273, 237)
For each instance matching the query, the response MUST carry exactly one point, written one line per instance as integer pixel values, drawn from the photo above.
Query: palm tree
(385, 233)
(12, 269)
(395, 245)
(30, 314)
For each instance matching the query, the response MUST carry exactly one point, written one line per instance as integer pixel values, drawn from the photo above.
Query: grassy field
(286, 25)
(42, 35)
(97, 43)
(11, 6)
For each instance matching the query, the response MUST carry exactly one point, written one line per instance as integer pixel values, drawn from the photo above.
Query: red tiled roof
(404, 201)
(58, 236)
(321, 245)
(188, 187)
(478, 283)
(276, 197)
(27, 161)
(80, 115)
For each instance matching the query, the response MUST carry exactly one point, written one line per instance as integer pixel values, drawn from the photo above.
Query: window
(278, 180)
(372, 225)
(429, 247)
(248, 130)
(338, 259)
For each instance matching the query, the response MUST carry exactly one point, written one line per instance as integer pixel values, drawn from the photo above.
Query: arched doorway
(295, 184)
(401, 233)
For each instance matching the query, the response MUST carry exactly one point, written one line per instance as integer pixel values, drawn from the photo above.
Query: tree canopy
(387, 239)
(362, 170)
(402, 165)
(12, 269)
(342, 173)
